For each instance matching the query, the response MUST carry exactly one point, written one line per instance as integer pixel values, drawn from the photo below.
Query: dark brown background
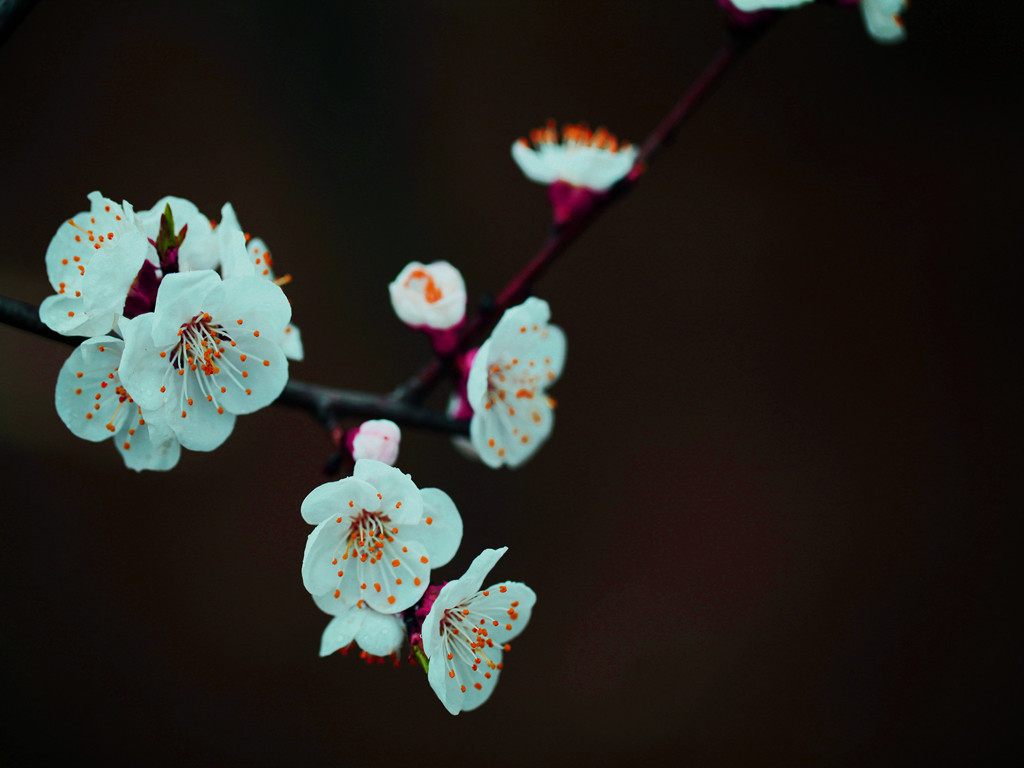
(776, 523)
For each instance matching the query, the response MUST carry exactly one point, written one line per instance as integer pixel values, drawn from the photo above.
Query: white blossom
(467, 630)
(377, 537)
(91, 263)
(512, 414)
(95, 406)
(429, 295)
(580, 157)
(206, 354)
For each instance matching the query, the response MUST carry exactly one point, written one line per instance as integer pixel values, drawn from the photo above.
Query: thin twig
(325, 404)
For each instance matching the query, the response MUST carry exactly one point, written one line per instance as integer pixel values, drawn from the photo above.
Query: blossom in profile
(512, 414)
(467, 630)
(93, 403)
(576, 165)
(242, 255)
(206, 354)
(379, 634)
(377, 537)
(91, 263)
(429, 296)
(375, 439)
(881, 17)
(579, 156)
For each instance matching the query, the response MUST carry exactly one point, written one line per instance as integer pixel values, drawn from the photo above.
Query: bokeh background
(776, 523)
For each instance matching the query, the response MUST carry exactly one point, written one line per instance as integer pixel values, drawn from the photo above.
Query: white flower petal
(181, 296)
(399, 497)
(440, 530)
(291, 343)
(259, 304)
(86, 396)
(341, 631)
(397, 579)
(380, 634)
(260, 372)
(147, 448)
(142, 370)
(346, 497)
(881, 17)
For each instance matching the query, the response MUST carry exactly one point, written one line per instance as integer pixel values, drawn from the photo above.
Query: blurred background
(777, 521)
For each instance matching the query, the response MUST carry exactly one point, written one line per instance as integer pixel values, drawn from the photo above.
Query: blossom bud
(429, 296)
(377, 439)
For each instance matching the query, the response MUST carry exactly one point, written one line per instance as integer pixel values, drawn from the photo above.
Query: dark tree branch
(326, 404)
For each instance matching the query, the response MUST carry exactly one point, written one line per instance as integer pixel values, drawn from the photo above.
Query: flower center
(367, 537)
(200, 345)
(431, 292)
(465, 637)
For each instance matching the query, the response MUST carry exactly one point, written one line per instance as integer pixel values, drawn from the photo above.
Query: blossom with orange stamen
(93, 403)
(467, 630)
(512, 414)
(199, 358)
(377, 537)
(91, 263)
(429, 296)
(579, 156)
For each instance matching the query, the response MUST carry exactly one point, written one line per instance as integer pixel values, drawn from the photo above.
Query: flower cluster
(368, 561)
(187, 327)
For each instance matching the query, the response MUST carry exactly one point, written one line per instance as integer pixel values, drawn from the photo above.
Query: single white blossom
(377, 439)
(467, 630)
(242, 255)
(379, 634)
(580, 157)
(512, 415)
(206, 354)
(91, 263)
(429, 295)
(376, 538)
(95, 406)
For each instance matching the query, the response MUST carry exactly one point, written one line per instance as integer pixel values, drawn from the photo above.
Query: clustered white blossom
(176, 348)
(187, 327)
